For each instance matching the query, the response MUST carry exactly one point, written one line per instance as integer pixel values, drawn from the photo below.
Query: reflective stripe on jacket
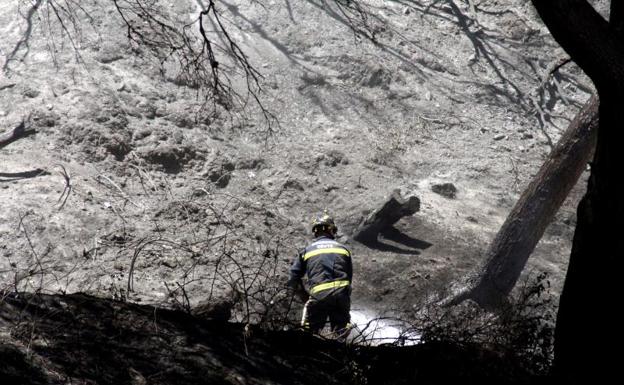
(329, 285)
(327, 264)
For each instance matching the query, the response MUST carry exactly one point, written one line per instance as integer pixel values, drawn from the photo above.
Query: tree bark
(587, 37)
(508, 253)
(589, 329)
(14, 134)
(589, 321)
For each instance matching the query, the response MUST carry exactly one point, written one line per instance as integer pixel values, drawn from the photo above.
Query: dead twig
(116, 186)
(67, 189)
(537, 97)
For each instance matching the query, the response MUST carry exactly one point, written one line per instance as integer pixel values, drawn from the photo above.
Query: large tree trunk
(589, 333)
(509, 252)
(589, 322)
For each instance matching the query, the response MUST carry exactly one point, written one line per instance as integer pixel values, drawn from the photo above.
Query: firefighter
(327, 266)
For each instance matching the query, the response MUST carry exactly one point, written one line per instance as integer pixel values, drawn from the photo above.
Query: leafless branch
(67, 189)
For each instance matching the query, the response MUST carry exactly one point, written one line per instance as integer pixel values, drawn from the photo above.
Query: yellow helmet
(324, 223)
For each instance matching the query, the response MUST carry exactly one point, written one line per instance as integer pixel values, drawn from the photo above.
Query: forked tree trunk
(508, 254)
(589, 332)
(589, 321)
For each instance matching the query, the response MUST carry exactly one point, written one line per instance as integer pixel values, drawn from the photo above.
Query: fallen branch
(15, 134)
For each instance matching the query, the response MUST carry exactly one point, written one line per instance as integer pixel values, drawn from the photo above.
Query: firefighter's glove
(302, 295)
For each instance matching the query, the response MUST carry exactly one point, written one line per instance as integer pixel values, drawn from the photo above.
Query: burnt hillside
(137, 194)
(81, 339)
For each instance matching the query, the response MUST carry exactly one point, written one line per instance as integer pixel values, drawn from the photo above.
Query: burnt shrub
(520, 333)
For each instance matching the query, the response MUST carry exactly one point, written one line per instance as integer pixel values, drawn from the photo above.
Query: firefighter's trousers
(333, 304)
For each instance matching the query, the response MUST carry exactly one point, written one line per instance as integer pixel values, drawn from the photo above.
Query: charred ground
(87, 340)
(150, 198)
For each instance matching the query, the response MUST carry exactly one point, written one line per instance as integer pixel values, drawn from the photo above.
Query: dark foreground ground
(80, 339)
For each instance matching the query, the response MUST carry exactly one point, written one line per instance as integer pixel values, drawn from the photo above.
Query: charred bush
(520, 334)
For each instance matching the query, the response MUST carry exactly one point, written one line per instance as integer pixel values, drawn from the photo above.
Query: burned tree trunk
(393, 209)
(592, 289)
(527, 221)
(16, 133)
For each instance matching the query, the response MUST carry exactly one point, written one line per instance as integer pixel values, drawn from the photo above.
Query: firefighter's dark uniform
(327, 264)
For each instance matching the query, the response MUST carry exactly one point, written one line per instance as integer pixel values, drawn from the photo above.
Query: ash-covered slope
(149, 198)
